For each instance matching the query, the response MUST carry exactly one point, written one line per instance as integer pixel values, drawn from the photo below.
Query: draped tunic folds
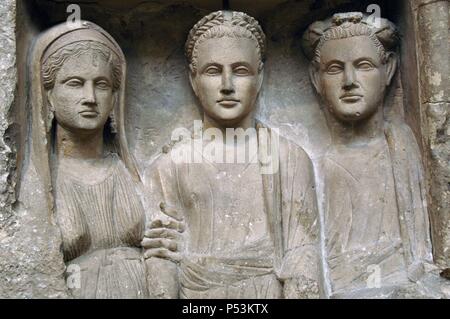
(236, 229)
(102, 226)
(376, 224)
(361, 216)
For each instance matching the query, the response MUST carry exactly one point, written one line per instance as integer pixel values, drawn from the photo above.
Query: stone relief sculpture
(375, 216)
(80, 156)
(247, 234)
(228, 210)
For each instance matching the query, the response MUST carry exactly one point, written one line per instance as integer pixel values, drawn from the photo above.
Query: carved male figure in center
(249, 233)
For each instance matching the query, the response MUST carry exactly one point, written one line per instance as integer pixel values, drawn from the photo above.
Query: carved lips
(89, 113)
(228, 102)
(351, 97)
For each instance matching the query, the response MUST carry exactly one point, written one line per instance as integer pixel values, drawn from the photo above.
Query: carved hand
(163, 239)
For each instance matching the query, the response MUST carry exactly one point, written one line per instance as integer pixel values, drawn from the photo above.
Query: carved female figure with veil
(80, 158)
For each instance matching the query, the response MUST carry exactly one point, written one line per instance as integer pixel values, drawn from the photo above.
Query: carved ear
(314, 77)
(391, 67)
(260, 78)
(50, 100)
(115, 97)
(192, 78)
(50, 110)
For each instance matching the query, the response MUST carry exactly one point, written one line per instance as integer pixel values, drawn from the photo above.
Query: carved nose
(227, 83)
(89, 95)
(349, 77)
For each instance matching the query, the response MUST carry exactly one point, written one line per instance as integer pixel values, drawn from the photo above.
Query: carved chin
(351, 112)
(89, 124)
(229, 113)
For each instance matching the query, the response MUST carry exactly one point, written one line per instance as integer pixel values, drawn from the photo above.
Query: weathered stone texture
(152, 34)
(433, 31)
(30, 262)
(7, 92)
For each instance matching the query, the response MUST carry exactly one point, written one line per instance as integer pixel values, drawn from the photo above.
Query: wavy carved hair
(55, 61)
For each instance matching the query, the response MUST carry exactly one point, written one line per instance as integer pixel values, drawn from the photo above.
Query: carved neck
(247, 122)
(79, 146)
(356, 134)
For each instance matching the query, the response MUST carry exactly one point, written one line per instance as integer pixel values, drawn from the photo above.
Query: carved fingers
(163, 239)
(162, 253)
(163, 233)
(167, 223)
(170, 211)
(149, 243)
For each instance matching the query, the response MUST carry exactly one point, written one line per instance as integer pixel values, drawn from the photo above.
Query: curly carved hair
(55, 61)
(382, 32)
(224, 23)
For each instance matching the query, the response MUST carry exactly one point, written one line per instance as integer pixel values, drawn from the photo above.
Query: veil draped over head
(41, 130)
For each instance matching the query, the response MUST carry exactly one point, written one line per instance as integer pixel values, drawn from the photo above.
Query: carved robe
(102, 226)
(376, 223)
(248, 233)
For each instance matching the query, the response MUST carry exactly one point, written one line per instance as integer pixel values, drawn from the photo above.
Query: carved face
(227, 81)
(82, 95)
(352, 78)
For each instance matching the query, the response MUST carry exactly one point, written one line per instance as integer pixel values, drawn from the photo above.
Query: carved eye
(334, 69)
(212, 70)
(241, 70)
(74, 83)
(104, 85)
(365, 65)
